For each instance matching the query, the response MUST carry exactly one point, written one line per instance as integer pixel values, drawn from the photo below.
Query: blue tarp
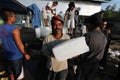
(36, 15)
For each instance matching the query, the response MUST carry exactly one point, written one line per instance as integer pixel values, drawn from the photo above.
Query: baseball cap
(57, 17)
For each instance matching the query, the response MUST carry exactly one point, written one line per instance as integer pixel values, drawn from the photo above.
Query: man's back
(96, 41)
(11, 52)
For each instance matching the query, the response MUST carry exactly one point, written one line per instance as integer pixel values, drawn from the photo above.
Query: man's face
(72, 7)
(104, 23)
(55, 4)
(57, 27)
(12, 18)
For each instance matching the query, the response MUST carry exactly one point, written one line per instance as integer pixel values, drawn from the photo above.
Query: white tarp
(87, 8)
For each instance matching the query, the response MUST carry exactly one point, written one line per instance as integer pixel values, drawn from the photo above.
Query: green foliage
(111, 12)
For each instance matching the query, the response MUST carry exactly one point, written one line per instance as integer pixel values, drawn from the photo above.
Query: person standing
(57, 69)
(88, 63)
(106, 29)
(49, 7)
(13, 48)
(76, 18)
(69, 17)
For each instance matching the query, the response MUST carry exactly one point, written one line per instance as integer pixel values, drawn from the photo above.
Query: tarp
(36, 15)
(14, 5)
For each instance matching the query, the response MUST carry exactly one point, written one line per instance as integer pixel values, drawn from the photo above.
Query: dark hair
(105, 20)
(95, 20)
(71, 4)
(55, 2)
(5, 13)
(109, 25)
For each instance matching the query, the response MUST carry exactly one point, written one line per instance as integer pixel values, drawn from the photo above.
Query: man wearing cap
(96, 40)
(57, 69)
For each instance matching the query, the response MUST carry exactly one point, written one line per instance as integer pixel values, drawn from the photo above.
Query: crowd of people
(97, 39)
(70, 18)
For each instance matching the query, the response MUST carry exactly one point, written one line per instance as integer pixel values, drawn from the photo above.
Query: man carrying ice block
(57, 69)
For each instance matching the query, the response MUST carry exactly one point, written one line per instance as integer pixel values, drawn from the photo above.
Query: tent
(14, 5)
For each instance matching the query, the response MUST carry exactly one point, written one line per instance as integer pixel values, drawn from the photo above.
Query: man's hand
(27, 56)
(53, 11)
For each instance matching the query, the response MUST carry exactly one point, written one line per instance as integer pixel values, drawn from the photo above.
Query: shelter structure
(14, 5)
(88, 7)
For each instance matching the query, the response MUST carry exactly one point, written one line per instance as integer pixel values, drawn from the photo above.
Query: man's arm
(16, 35)
(50, 7)
(45, 50)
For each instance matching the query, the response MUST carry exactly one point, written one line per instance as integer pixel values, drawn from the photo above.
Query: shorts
(14, 67)
(70, 23)
(45, 14)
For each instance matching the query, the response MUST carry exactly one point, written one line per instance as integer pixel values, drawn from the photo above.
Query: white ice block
(42, 31)
(45, 31)
(37, 32)
(70, 48)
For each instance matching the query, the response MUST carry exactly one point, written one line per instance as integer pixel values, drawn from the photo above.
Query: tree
(110, 11)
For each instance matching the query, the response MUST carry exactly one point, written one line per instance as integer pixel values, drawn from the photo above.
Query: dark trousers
(103, 62)
(62, 75)
(118, 73)
(1, 64)
(14, 67)
(87, 71)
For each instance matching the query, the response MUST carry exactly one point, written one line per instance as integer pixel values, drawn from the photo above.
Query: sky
(112, 2)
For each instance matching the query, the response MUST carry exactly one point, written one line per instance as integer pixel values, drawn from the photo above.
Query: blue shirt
(11, 51)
